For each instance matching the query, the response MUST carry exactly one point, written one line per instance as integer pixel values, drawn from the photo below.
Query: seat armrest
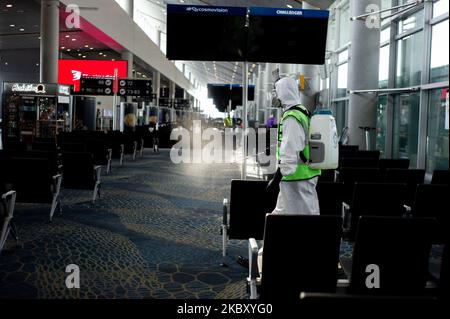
(253, 267)
(253, 259)
(9, 200)
(346, 216)
(225, 212)
(57, 179)
(98, 172)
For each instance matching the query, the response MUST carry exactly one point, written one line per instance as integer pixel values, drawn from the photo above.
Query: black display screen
(237, 94)
(287, 35)
(206, 33)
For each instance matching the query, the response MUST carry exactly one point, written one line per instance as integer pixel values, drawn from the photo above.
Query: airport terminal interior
(139, 143)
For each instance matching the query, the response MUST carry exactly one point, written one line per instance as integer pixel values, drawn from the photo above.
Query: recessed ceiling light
(68, 50)
(92, 48)
(12, 25)
(9, 5)
(79, 54)
(22, 30)
(62, 48)
(74, 39)
(84, 57)
(289, 6)
(6, 63)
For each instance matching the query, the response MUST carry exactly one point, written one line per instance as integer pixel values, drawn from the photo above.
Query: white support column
(363, 74)
(49, 41)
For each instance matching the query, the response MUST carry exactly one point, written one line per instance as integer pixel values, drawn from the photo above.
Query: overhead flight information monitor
(206, 33)
(287, 35)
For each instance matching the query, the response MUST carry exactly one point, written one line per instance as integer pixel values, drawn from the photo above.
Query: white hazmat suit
(300, 197)
(297, 197)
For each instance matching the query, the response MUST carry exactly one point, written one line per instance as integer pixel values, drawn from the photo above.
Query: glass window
(383, 73)
(344, 26)
(343, 56)
(411, 22)
(439, 52)
(440, 7)
(406, 126)
(409, 60)
(438, 122)
(331, 36)
(385, 4)
(381, 124)
(342, 80)
(385, 34)
(340, 113)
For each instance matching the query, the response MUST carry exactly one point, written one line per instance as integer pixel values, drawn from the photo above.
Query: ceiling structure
(20, 29)
(231, 72)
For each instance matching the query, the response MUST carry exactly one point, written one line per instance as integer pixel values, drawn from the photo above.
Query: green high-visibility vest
(303, 172)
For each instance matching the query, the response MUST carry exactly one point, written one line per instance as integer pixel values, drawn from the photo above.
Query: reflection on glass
(381, 124)
(440, 7)
(409, 60)
(340, 112)
(385, 35)
(342, 80)
(344, 26)
(343, 56)
(383, 72)
(406, 126)
(437, 147)
(331, 37)
(439, 53)
(411, 22)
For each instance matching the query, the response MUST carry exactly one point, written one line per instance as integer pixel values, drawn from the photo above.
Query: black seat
(301, 253)
(73, 147)
(81, 173)
(327, 175)
(249, 203)
(7, 202)
(100, 152)
(386, 163)
(440, 177)
(368, 154)
(410, 177)
(431, 201)
(444, 280)
(331, 196)
(363, 162)
(34, 182)
(394, 249)
(349, 176)
(374, 199)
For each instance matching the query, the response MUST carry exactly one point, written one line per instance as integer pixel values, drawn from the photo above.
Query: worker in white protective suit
(295, 180)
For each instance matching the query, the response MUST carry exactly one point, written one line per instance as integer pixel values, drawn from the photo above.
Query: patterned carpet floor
(154, 233)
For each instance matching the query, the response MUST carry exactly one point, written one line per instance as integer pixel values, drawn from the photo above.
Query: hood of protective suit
(288, 92)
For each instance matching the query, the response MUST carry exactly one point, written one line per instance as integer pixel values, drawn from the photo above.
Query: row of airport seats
(301, 254)
(244, 217)
(37, 172)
